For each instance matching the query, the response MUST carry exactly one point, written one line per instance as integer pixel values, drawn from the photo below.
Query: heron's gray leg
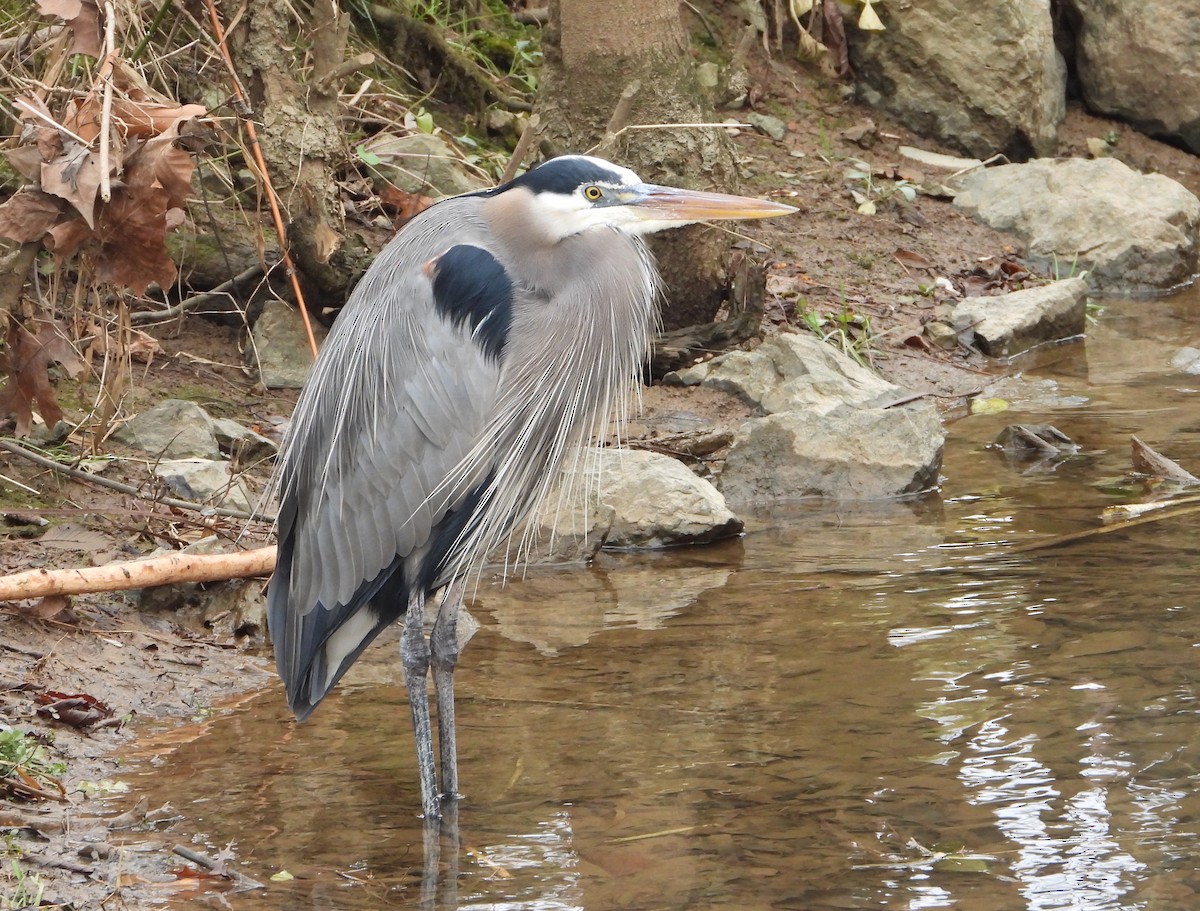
(431, 871)
(414, 656)
(445, 647)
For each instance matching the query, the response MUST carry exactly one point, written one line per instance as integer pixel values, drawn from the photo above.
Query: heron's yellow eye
(592, 194)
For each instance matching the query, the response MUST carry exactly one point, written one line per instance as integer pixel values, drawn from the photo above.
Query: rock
(850, 453)
(1004, 325)
(765, 123)
(1034, 448)
(1187, 360)
(421, 163)
(281, 352)
(1140, 62)
(645, 499)
(941, 334)
(791, 371)
(205, 481)
(172, 429)
(982, 77)
(242, 443)
(1130, 231)
(236, 611)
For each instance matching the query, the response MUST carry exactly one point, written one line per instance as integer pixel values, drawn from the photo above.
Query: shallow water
(883, 706)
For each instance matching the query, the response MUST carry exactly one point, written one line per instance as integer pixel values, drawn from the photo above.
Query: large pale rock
(851, 454)
(281, 352)
(241, 442)
(1004, 325)
(172, 429)
(632, 498)
(791, 371)
(205, 481)
(982, 77)
(1132, 232)
(1141, 62)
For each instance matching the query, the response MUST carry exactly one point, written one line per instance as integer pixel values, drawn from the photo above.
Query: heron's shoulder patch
(471, 286)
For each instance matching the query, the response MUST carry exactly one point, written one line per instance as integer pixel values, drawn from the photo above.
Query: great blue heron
(492, 336)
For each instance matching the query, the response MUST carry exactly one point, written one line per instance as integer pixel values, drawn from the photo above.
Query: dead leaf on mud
(76, 709)
(47, 608)
(912, 259)
(73, 536)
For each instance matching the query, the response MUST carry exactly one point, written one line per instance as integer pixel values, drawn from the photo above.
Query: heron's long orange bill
(669, 204)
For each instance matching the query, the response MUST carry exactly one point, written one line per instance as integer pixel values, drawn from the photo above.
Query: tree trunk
(299, 132)
(595, 52)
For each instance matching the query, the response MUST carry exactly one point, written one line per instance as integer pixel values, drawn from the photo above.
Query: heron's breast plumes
(571, 368)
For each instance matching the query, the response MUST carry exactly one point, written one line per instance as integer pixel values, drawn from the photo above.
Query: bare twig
(50, 121)
(518, 156)
(342, 70)
(79, 475)
(1101, 530)
(198, 300)
(620, 115)
(31, 42)
(110, 30)
(260, 165)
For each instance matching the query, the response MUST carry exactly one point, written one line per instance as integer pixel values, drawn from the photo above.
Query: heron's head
(573, 193)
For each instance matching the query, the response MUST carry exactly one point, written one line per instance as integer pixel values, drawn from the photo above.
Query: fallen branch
(166, 570)
(218, 866)
(1101, 530)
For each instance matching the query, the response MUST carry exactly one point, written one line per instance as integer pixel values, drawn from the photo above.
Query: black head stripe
(565, 175)
(471, 286)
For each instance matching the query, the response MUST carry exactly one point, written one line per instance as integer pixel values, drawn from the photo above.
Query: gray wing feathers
(368, 451)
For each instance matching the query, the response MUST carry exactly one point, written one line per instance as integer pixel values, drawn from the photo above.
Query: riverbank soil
(85, 678)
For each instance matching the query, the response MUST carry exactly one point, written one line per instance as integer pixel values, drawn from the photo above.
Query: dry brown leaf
(132, 118)
(73, 536)
(132, 230)
(47, 608)
(1151, 462)
(28, 215)
(912, 259)
(402, 204)
(26, 160)
(75, 176)
(66, 237)
(835, 39)
(27, 360)
(143, 347)
(160, 161)
(83, 18)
